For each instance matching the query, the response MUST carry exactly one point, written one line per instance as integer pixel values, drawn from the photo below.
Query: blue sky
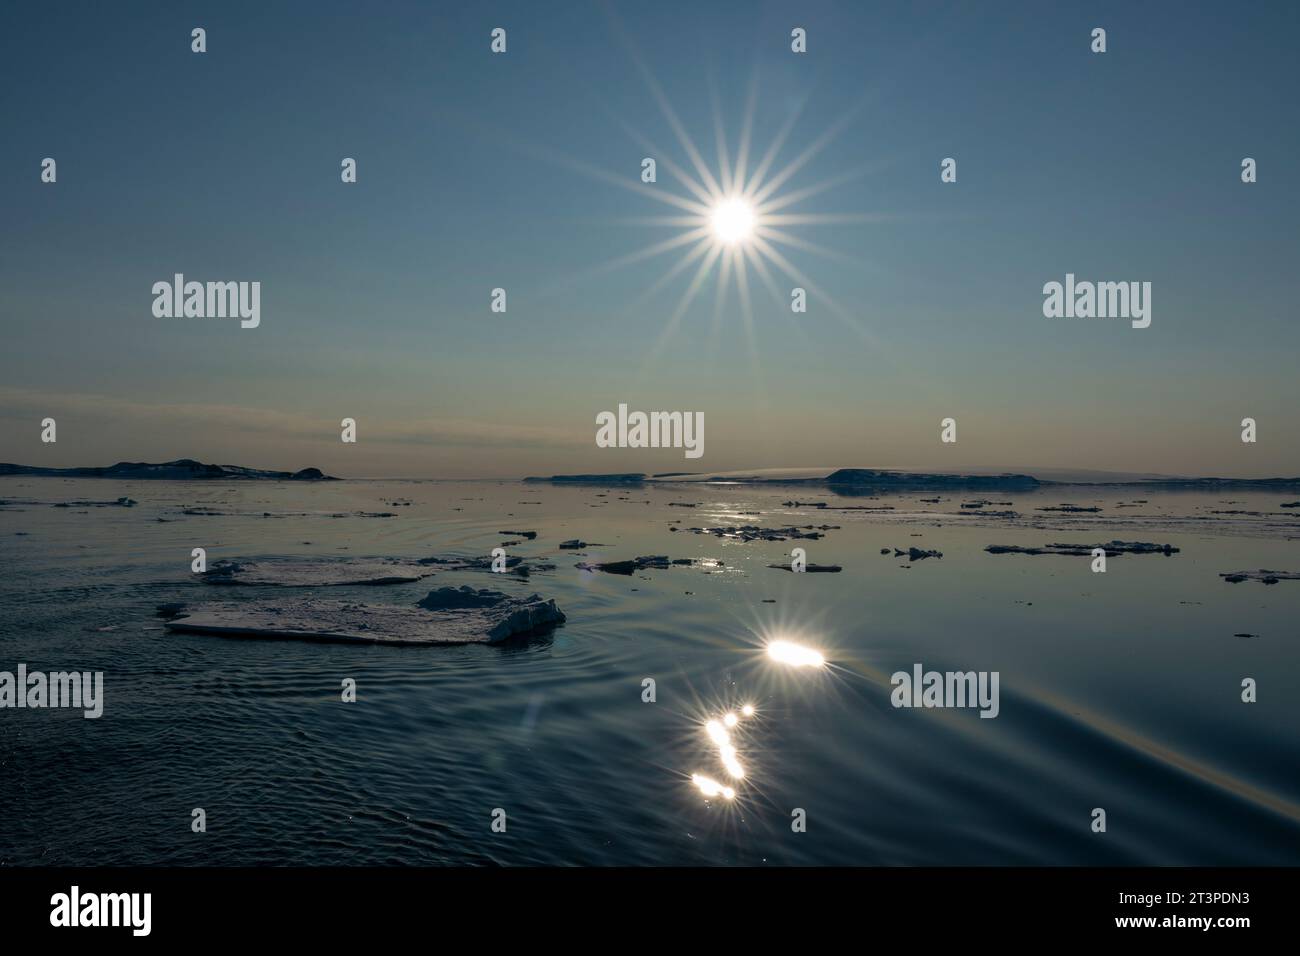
(474, 172)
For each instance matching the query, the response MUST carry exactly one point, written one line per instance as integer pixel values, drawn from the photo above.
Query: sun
(732, 220)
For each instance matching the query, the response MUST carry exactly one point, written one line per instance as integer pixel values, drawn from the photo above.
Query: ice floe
(446, 616)
(1111, 548)
(751, 532)
(315, 572)
(1262, 576)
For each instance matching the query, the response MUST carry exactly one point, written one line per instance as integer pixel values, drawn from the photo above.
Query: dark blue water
(1118, 690)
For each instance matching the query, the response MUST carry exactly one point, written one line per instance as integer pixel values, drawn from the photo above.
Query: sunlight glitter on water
(711, 788)
(795, 655)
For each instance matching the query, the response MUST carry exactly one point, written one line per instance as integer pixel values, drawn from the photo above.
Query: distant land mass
(870, 478)
(620, 479)
(864, 480)
(843, 481)
(184, 469)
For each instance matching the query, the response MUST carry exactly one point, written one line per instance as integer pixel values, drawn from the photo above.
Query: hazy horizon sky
(478, 171)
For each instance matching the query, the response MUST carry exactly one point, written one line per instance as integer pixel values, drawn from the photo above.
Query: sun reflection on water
(726, 723)
(718, 734)
(795, 655)
(711, 788)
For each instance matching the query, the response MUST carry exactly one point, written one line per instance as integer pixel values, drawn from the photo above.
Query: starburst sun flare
(732, 219)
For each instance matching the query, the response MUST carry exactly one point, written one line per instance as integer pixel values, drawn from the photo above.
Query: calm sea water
(1118, 690)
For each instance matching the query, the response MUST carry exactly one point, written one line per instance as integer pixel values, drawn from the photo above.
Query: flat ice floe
(122, 502)
(338, 572)
(315, 572)
(515, 565)
(446, 616)
(1112, 548)
(751, 532)
(1263, 576)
